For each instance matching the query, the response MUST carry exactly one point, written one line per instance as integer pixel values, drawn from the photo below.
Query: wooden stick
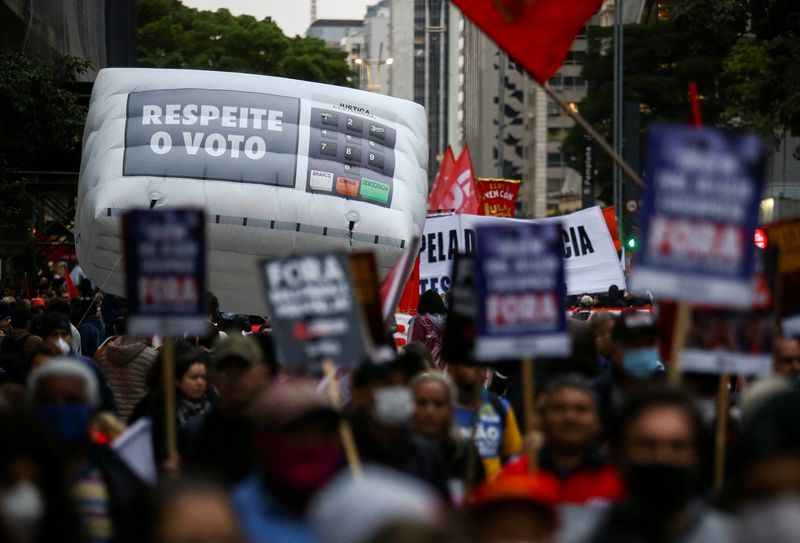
(168, 376)
(529, 399)
(682, 319)
(596, 136)
(720, 437)
(345, 430)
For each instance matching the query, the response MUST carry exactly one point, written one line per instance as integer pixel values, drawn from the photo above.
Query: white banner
(590, 261)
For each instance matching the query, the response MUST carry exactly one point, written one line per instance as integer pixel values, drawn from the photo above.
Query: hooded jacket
(125, 362)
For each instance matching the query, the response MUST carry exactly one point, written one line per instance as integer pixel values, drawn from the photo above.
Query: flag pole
(601, 141)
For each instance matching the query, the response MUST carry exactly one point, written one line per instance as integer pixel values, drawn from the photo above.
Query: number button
(353, 154)
(375, 160)
(354, 124)
(377, 131)
(331, 119)
(325, 133)
(327, 148)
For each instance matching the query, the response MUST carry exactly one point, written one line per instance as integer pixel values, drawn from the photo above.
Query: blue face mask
(70, 423)
(640, 363)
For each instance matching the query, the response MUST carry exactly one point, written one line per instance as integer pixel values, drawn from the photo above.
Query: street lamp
(369, 63)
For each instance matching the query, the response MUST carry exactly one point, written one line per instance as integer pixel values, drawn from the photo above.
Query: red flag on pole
(462, 195)
(535, 33)
(71, 289)
(397, 281)
(440, 185)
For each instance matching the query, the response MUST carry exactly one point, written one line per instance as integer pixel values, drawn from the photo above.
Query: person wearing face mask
(657, 445)
(381, 409)
(65, 394)
(296, 441)
(35, 505)
(55, 330)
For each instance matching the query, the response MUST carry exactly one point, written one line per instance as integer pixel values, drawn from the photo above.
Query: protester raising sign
(314, 312)
(699, 213)
(519, 274)
(165, 263)
(590, 261)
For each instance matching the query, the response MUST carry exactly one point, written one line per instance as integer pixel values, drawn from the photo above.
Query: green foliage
(743, 54)
(39, 110)
(171, 35)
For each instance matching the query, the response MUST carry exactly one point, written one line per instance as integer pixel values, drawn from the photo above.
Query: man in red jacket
(572, 454)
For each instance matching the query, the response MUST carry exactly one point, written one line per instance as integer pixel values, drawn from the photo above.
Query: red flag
(535, 33)
(442, 179)
(462, 195)
(393, 286)
(71, 290)
(611, 223)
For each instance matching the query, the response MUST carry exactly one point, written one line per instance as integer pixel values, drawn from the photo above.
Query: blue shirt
(262, 520)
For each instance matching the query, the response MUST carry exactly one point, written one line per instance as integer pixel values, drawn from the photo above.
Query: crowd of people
(412, 447)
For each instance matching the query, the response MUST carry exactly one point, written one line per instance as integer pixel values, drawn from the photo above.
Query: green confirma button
(374, 191)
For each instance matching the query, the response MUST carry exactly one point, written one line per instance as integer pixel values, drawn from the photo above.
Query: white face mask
(22, 508)
(62, 345)
(393, 405)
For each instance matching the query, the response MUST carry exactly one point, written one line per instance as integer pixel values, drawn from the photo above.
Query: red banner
(498, 197)
(536, 34)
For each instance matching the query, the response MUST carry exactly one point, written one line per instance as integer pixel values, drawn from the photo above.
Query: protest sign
(699, 212)
(498, 197)
(590, 260)
(314, 312)
(737, 342)
(458, 342)
(519, 273)
(364, 277)
(785, 235)
(165, 264)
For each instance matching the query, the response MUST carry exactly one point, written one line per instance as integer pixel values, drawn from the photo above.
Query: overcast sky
(293, 16)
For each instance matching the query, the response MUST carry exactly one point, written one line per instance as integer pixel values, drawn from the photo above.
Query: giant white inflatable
(280, 166)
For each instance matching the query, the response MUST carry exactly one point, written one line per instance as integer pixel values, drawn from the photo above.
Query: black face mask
(660, 488)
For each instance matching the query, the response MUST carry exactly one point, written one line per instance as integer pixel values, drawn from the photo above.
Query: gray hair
(435, 376)
(65, 367)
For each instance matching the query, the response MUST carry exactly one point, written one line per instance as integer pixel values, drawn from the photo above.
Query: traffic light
(631, 243)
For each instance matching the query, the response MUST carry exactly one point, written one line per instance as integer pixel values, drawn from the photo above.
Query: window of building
(555, 160)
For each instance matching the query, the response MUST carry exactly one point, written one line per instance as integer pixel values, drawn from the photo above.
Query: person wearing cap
(240, 372)
(382, 405)
(37, 306)
(519, 507)
(296, 443)
(657, 442)
(55, 329)
(573, 452)
(66, 394)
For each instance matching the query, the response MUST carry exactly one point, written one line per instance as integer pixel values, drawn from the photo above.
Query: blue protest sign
(700, 209)
(519, 272)
(165, 263)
